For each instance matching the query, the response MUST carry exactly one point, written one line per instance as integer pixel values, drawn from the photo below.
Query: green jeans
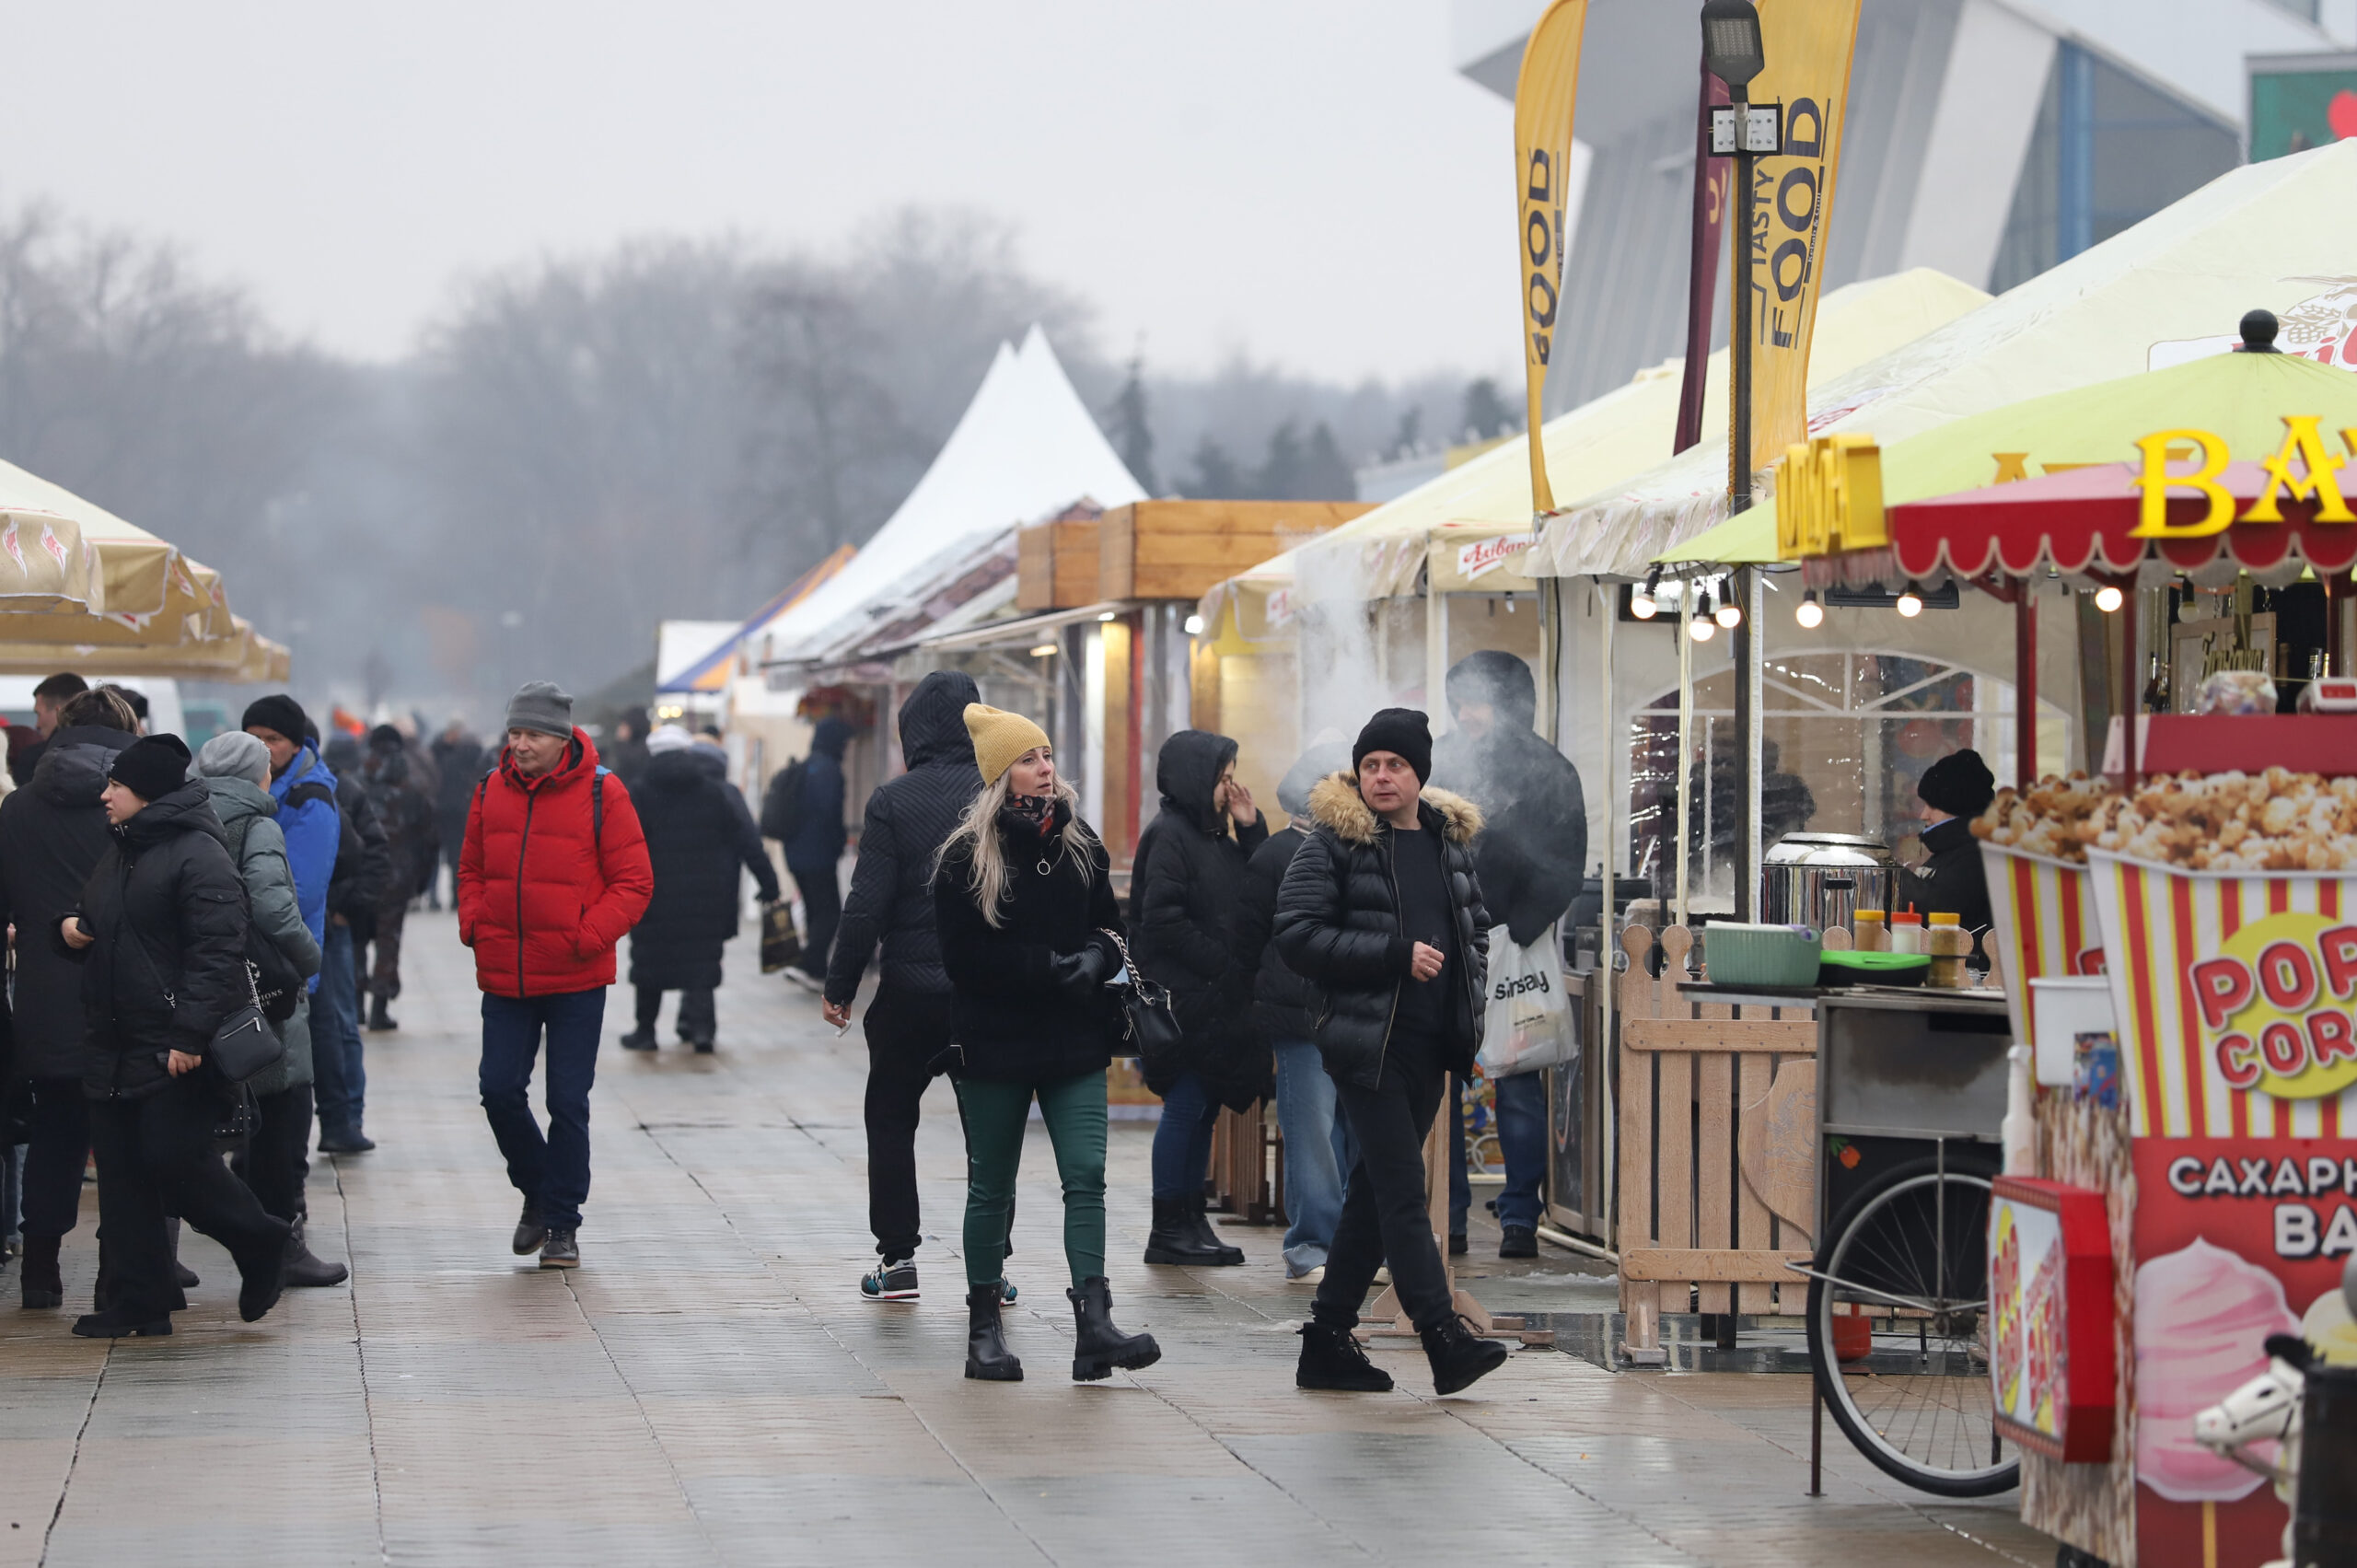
(994, 1115)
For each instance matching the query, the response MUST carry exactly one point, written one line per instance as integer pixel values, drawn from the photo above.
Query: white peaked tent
(1025, 447)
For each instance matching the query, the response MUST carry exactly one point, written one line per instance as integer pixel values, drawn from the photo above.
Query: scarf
(1032, 814)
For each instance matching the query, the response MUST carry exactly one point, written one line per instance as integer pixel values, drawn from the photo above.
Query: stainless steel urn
(1821, 880)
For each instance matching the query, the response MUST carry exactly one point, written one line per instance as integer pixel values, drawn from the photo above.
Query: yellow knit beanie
(1000, 737)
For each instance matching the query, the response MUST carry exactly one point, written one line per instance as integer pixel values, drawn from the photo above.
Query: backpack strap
(309, 791)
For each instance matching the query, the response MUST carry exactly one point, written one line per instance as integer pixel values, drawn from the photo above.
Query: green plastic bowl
(1874, 969)
(1760, 955)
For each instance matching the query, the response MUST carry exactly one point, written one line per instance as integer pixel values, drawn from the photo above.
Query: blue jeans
(340, 1081)
(1317, 1154)
(1182, 1140)
(1522, 1135)
(552, 1172)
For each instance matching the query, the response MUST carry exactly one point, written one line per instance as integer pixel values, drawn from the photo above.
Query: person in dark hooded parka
(699, 836)
(52, 834)
(907, 1024)
(809, 829)
(1186, 892)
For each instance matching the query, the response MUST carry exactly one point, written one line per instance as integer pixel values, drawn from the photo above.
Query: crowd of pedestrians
(203, 943)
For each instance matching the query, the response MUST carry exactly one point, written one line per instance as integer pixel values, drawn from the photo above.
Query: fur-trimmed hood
(1335, 803)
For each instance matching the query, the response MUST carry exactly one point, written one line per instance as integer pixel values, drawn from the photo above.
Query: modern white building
(1988, 139)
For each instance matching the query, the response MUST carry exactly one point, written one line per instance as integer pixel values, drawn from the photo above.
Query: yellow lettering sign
(2301, 440)
(1829, 497)
(2157, 482)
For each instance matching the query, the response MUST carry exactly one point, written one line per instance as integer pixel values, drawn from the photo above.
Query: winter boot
(530, 1234)
(1333, 1358)
(43, 1286)
(182, 1275)
(1199, 1215)
(379, 1020)
(1458, 1359)
(260, 1283)
(987, 1356)
(640, 1038)
(1173, 1238)
(117, 1324)
(301, 1269)
(1098, 1346)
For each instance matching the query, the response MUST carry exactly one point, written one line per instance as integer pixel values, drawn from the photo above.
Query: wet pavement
(710, 1388)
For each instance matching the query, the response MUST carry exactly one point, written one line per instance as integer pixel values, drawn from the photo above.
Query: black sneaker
(1333, 1359)
(639, 1039)
(1517, 1241)
(529, 1232)
(561, 1250)
(891, 1282)
(1457, 1244)
(346, 1140)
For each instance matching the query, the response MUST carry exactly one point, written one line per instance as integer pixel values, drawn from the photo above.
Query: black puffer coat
(1953, 880)
(169, 962)
(909, 818)
(699, 838)
(1010, 1021)
(53, 835)
(1533, 858)
(1338, 924)
(1284, 1005)
(1185, 895)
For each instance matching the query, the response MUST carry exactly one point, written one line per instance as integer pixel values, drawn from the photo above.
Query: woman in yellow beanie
(1024, 906)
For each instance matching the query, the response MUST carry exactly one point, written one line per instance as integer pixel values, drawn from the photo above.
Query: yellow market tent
(1601, 443)
(2276, 235)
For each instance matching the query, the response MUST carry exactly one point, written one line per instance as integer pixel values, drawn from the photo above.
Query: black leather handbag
(244, 1043)
(1150, 1030)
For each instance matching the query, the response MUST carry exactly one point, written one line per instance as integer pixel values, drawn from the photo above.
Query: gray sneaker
(891, 1282)
(561, 1250)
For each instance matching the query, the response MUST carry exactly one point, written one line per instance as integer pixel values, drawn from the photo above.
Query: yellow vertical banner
(1543, 97)
(1808, 45)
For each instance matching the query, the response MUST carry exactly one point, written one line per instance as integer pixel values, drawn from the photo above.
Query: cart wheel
(1911, 1253)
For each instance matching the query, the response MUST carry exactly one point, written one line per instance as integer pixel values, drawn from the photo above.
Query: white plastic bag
(1528, 1021)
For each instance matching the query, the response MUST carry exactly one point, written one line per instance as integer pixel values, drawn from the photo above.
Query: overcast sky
(1307, 179)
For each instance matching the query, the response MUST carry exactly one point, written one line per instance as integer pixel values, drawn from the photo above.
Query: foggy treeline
(580, 447)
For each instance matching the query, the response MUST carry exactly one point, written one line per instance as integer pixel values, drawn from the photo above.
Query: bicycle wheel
(1909, 1255)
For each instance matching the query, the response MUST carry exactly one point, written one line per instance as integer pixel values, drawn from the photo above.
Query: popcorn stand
(2179, 952)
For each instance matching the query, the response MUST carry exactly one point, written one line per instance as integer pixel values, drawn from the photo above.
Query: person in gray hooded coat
(275, 1162)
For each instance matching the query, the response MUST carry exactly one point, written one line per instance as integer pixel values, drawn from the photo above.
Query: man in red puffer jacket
(553, 873)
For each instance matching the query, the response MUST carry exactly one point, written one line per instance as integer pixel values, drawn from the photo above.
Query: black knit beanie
(152, 766)
(279, 714)
(1959, 783)
(1404, 730)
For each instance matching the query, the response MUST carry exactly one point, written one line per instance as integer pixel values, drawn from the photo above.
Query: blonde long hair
(977, 828)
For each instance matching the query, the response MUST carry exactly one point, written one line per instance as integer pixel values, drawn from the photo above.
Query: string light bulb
(1910, 603)
(2109, 599)
(1642, 605)
(1701, 628)
(1729, 614)
(1809, 614)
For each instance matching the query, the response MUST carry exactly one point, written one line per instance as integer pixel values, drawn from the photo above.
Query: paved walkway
(709, 1388)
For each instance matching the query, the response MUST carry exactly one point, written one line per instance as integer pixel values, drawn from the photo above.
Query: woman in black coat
(699, 834)
(161, 936)
(1186, 894)
(53, 835)
(1023, 904)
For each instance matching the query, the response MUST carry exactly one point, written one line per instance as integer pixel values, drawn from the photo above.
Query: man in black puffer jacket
(1184, 898)
(1382, 911)
(52, 834)
(700, 841)
(1285, 1012)
(909, 818)
(161, 934)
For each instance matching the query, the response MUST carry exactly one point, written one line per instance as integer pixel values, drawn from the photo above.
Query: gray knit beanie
(234, 755)
(544, 707)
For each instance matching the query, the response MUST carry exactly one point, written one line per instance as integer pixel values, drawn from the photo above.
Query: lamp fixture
(1809, 613)
(1194, 625)
(1105, 615)
(1045, 650)
(1701, 628)
(1729, 614)
(2109, 599)
(1732, 50)
(1910, 603)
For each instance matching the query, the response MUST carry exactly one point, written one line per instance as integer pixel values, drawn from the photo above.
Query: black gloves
(1079, 974)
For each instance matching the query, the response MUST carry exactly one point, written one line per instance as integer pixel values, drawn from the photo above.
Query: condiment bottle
(1866, 932)
(1950, 944)
(1907, 933)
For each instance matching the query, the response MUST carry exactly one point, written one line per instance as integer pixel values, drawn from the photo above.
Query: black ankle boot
(1333, 1358)
(1098, 1347)
(987, 1356)
(1172, 1238)
(378, 1018)
(43, 1286)
(1458, 1359)
(300, 1268)
(1200, 1222)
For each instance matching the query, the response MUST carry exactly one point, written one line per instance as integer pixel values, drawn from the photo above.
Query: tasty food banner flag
(1543, 99)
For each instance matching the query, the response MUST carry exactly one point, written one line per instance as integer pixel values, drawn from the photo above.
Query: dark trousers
(158, 1162)
(276, 1161)
(337, 1065)
(551, 1170)
(1384, 1214)
(385, 971)
(822, 911)
(1521, 1102)
(906, 1029)
(699, 1021)
(57, 1148)
(1182, 1140)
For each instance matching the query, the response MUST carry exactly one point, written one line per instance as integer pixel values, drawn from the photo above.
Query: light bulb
(1810, 614)
(1194, 625)
(1642, 606)
(2109, 599)
(1699, 628)
(1910, 603)
(1729, 614)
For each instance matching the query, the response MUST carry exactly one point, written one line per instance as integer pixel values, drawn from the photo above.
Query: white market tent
(1025, 447)
(2278, 235)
